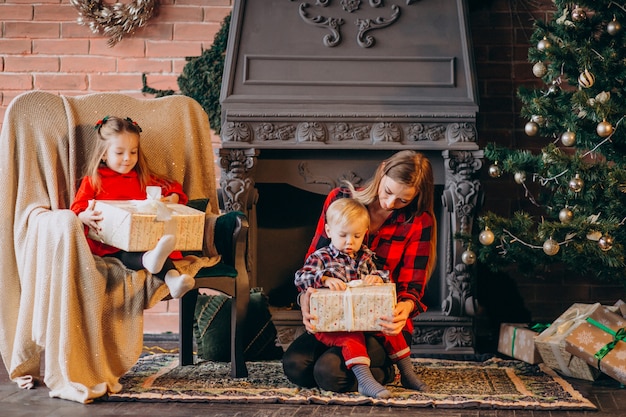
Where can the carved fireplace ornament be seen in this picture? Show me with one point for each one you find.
(389, 15)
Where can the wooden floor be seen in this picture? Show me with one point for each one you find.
(14, 402)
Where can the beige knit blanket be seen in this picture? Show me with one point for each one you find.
(83, 313)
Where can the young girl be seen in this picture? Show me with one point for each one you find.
(118, 170)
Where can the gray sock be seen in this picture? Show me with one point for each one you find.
(367, 384)
(408, 377)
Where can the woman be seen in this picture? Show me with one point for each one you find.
(400, 201)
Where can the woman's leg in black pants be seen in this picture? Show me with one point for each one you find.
(309, 363)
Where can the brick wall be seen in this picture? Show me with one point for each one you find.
(43, 48)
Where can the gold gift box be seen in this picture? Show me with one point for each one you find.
(358, 308)
(127, 227)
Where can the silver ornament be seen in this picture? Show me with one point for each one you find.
(614, 27)
(568, 138)
(468, 257)
(576, 184)
(605, 243)
(566, 215)
(551, 247)
(486, 237)
(519, 177)
(539, 69)
(579, 14)
(604, 129)
(539, 119)
(544, 44)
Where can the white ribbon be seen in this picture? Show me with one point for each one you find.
(348, 307)
(153, 204)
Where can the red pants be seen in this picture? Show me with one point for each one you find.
(353, 349)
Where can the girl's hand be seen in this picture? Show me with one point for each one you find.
(334, 284)
(172, 198)
(307, 318)
(393, 325)
(372, 279)
(91, 217)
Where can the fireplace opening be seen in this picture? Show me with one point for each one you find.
(286, 219)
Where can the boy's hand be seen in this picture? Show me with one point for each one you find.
(372, 279)
(334, 284)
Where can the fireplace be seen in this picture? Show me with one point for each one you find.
(321, 92)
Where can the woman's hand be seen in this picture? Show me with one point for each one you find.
(307, 318)
(393, 325)
(91, 217)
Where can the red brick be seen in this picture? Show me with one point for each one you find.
(159, 31)
(10, 81)
(55, 13)
(56, 82)
(144, 65)
(216, 14)
(15, 46)
(31, 63)
(195, 31)
(34, 30)
(61, 47)
(74, 30)
(128, 47)
(179, 64)
(88, 64)
(173, 49)
(205, 2)
(163, 82)
(113, 82)
(180, 14)
(10, 12)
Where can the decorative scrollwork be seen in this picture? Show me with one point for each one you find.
(386, 132)
(461, 132)
(311, 132)
(114, 21)
(333, 24)
(365, 25)
(269, 131)
(236, 132)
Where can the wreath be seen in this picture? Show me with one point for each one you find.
(116, 20)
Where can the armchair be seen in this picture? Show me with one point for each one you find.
(85, 313)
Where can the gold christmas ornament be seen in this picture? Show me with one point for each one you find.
(531, 128)
(576, 184)
(604, 129)
(586, 79)
(579, 14)
(468, 257)
(568, 138)
(114, 20)
(539, 69)
(614, 27)
(605, 242)
(495, 171)
(566, 215)
(544, 44)
(551, 247)
(519, 177)
(486, 237)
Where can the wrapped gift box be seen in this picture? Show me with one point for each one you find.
(518, 341)
(601, 342)
(358, 308)
(551, 343)
(127, 225)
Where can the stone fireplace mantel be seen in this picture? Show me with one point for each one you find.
(321, 92)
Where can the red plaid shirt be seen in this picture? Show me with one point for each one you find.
(401, 245)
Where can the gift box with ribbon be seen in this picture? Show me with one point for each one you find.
(551, 343)
(136, 226)
(517, 340)
(358, 308)
(601, 342)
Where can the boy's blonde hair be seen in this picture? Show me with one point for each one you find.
(346, 211)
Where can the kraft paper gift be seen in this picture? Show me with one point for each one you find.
(551, 343)
(517, 340)
(358, 308)
(136, 226)
(601, 342)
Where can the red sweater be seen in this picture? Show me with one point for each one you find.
(116, 186)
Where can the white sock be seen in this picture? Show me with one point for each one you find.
(178, 284)
(154, 259)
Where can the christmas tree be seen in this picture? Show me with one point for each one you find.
(576, 184)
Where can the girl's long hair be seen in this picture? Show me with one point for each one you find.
(109, 127)
(412, 169)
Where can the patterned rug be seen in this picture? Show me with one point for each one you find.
(495, 383)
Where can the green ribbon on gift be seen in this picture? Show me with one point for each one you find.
(618, 336)
(537, 328)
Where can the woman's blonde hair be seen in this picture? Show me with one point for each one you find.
(346, 211)
(107, 128)
(412, 169)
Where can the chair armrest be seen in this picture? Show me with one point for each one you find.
(231, 238)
